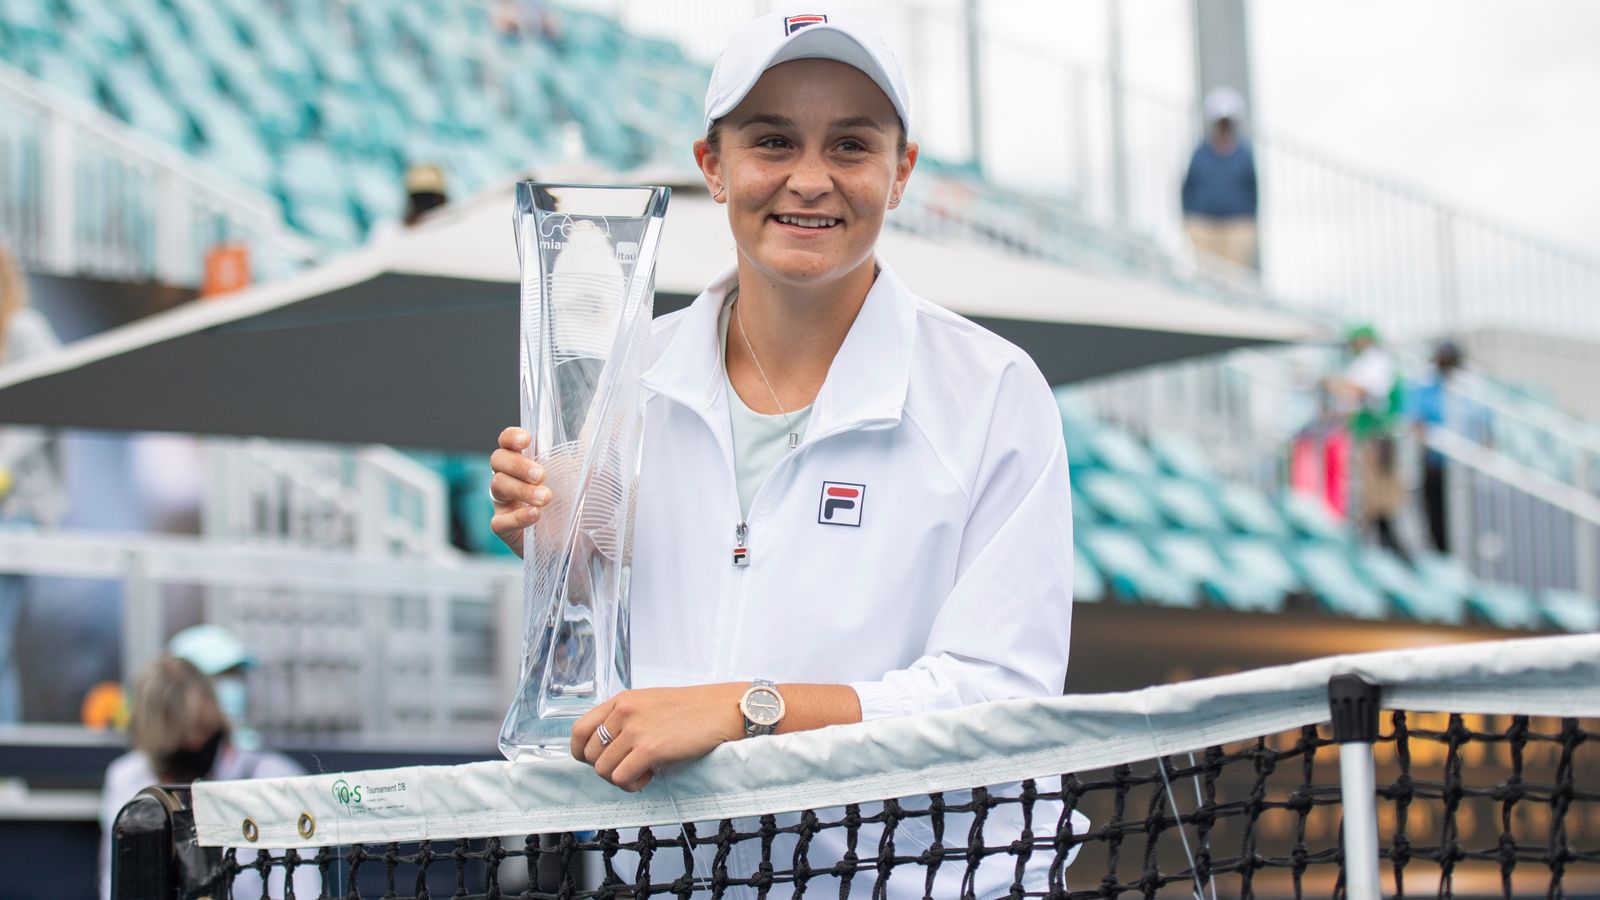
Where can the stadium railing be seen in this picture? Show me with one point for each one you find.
(84, 194)
(1480, 781)
(350, 647)
(1524, 476)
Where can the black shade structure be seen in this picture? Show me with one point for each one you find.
(412, 340)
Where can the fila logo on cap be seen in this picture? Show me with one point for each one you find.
(842, 503)
(791, 24)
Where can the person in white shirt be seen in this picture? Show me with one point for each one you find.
(852, 503)
(179, 734)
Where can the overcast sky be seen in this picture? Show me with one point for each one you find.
(1493, 105)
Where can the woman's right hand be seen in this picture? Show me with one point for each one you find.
(517, 488)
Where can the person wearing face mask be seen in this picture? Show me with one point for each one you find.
(179, 734)
(222, 657)
(852, 503)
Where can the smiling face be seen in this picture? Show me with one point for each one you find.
(810, 160)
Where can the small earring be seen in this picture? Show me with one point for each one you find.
(721, 189)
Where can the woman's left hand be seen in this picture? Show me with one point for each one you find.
(653, 727)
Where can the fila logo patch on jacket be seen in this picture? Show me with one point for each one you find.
(842, 503)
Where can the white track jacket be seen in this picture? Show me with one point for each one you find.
(917, 545)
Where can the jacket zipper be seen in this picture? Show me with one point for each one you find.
(741, 529)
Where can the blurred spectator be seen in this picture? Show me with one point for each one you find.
(179, 734)
(1219, 190)
(425, 190)
(1426, 403)
(31, 491)
(223, 658)
(1369, 393)
(516, 19)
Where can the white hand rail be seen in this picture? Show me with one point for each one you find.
(159, 186)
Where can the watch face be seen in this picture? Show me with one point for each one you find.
(763, 707)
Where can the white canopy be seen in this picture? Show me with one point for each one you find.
(412, 340)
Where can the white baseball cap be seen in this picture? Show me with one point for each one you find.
(762, 43)
(1224, 103)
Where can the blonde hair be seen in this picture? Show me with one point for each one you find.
(13, 294)
(171, 699)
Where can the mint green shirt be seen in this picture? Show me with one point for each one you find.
(759, 441)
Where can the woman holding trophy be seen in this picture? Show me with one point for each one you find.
(852, 503)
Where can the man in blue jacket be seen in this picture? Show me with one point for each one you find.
(1219, 190)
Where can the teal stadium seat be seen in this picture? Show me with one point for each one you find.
(310, 176)
(1335, 582)
(1072, 408)
(211, 26)
(1088, 585)
(1571, 610)
(1446, 572)
(104, 34)
(29, 23)
(1263, 560)
(174, 59)
(1312, 518)
(408, 87)
(1079, 438)
(333, 227)
(280, 119)
(1117, 449)
(1119, 499)
(357, 126)
(70, 77)
(378, 189)
(338, 64)
(145, 106)
(1133, 574)
(1083, 512)
(1422, 600)
(1183, 456)
(1505, 606)
(1192, 557)
(518, 154)
(1248, 510)
(1500, 605)
(1187, 504)
(230, 140)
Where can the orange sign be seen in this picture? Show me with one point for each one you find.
(227, 269)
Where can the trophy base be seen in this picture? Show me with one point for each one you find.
(535, 738)
(538, 753)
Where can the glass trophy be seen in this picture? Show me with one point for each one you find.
(588, 255)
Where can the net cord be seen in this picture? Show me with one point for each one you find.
(1199, 801)
(1177, 814)
(986, 744)
(702, 878)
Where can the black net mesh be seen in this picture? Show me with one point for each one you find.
(1467, 806)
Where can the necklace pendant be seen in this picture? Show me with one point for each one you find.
(794, 440)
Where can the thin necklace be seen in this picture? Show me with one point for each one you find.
(794, 437)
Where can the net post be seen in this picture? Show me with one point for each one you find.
(155, 851)
(1353, 703)
(142, 862)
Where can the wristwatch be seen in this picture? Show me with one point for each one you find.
(762, 708)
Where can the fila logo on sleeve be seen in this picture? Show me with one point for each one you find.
(842, 503)
(795, 23)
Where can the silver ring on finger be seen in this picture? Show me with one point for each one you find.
(604, 734)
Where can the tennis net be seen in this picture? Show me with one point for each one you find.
(1485, 762)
